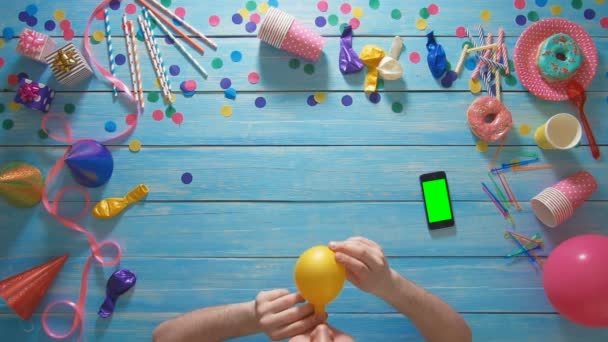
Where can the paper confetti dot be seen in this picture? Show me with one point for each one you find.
(1, 62)
(14, 106)
(396, 14)
(520, 4)
(320, 97)
(158, 115)
(357, 12)
(541, 3)
(65, 24)
(461, 32)
(98, 35)
(153, 96)
(533, 16)
(433, 9)
(186, 178)
(260, 102)
(354, 22)
(166, 3)
(322, 6)
(470, 63)
(309, 69)
(225, 83)
(481, 146)
(169, 111)
(217, 63)
(110, 126)
(263, 7)
(8, 33)
(347, 100)
(320, 21)
(345, 8)
(520, 20)
(589, 14)
(475, 86)
(273, 3)
(332, 20)
(12, 79)
(510, 80)
(244, 13)
(397, 107)
(180, 12)
(42, 134)
(214, 20)
(311, 101)
(226, 111)
(115, 4)
(131, 119)
(174, 70)
(524, 129)
(421, 24)
(251, 5)
(294, 63)
(120, 59)
(230, 93)
(415, 57)
(485, 15)
(59, 15)
(68, 34)
(556, 10)
(1, 107)
(130, 9)
(374, 4)
(375, 97)
(237, 19)
(250, 27)
(135, 146)
(253, 77)
(7, 124)
(177, 118)
(577, 4)
(236, 56)
(604, 22)
(69, 108)
(49, 25)
(190, 85)
(424, 13)
(255, 18)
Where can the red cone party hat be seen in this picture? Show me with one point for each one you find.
(24, 291)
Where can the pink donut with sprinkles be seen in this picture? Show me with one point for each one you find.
(489, 118)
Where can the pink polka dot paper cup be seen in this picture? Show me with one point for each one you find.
(285, 32)
(556, 204)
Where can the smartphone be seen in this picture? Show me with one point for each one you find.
(437, 202)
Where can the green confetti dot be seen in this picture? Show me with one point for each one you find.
(332, 20)
(294, 63)
(69, 108)
(342, 27)
(42, 134)
(511, 80)
(7, 124)
(166, 3)
(448, 66)
(217, 63)
(152, 24)
(1, 107)
(397, 107)
(424, 13)
(468, 44)
(533, 16)
(153, 96)
(396, 14)
(170, 111)
(380, 84)
(511, 65)
(374, 4)
(577, 4)
(251, 5)
(309, 69)
(93, 41)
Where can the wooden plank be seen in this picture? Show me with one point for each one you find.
(284, 229)
(273, 68)
(287, 119)
(356, 173)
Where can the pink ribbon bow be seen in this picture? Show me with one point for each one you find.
(28, 92)
(31, 41)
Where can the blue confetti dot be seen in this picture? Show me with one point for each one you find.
(521, 20)
(273, 3)
(23, 16)
(541, 3)
(174, 70)
(110, 126)
(260, 102)
(31, 9)
(236, 56)
(375, 97)
(8, 33)
(169, 41)
(470, 63)
(347, 100)
(250, 27)
(120, 59)
(589, 14)
(186, 178)
(311, 101)
(230, 93)
(237, 19)
(446, 82)
(176, 23)
(451, 75)
(31, 21)
(49, 25)
(225, 83)
(320, 21)
(115, 4)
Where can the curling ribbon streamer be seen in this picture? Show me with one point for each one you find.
(28, 92)
(350, 62)
(371, 56)
(53, 207)
(436, 56)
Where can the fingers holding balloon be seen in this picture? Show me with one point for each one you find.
(285, 302)
(293, 314)
(266, 296)
(353, 265)
(298, 327)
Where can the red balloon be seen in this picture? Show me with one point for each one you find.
(575, 278)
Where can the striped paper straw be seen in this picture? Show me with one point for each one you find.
(125, 28)
(110, 48)
(158, 53)
(140, 86)
(161, 73)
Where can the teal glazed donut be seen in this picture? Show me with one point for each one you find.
(559, 57)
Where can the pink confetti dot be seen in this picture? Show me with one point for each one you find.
(68, 34)
(214, 20)
(461, 32)
(345, 8)
(433, 9)
(180, 12)
(253, 77)
(190, 85)
(414, 57)
(604, 22)
(520, 4)
(1, 62)
(130, 9)
(322, 6)
(255, 18)
(177, 118)
(355, 23)
(158, 115)
(99, 15)
(66, 24)
(131, 119)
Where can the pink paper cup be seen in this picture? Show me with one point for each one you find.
(577, 188)
(551, 207)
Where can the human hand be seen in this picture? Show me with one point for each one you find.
(280, 317)
(365, 263)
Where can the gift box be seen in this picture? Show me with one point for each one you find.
(35, 45)
(68, 65)
(34, 95)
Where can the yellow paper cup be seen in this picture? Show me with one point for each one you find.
(561, 132)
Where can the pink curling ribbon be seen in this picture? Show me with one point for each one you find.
(70, 223)
(28, 92)
(31, 42)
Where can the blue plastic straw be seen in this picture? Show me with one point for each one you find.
(504, 210)
(522, 247)
(521, 163)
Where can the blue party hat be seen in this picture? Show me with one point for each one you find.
(90, 162)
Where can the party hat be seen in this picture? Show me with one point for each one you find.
(24, 291)
(90, 162)
(21, 184)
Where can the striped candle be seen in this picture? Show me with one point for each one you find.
(110, 48)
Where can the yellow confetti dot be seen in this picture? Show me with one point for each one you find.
(135, 146)
(600, 1)
(1, 43)
(244, 13)
(421, 24)
(157, 82)
(524, 129)
(226, 111)
(556, 10)
(263, 7)
(14, 106)
(173, 97)
(320, 97)
(482, 146)
(485, 15)
(59, 15)
(98, 35)
(357, 12)
(475, 86)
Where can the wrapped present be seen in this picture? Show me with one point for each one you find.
(34, 95)
(35, 45)
(68, 65)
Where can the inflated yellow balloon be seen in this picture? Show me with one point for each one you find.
(319, 277)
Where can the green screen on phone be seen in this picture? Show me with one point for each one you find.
(437, 200)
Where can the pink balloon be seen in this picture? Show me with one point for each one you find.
(575, 278)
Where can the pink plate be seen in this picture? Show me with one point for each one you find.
(525, 58)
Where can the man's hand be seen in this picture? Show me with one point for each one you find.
(280, 317)
(365, 263)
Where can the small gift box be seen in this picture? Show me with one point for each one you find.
(68, 65)
(35, 45)
(34, 95)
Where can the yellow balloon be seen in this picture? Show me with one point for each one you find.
(319, 277)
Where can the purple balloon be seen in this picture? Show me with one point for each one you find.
(349, 59)
(120, 282)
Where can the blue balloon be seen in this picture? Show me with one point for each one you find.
(90, 163)
(436, 59)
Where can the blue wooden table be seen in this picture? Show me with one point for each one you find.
(273, 177)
